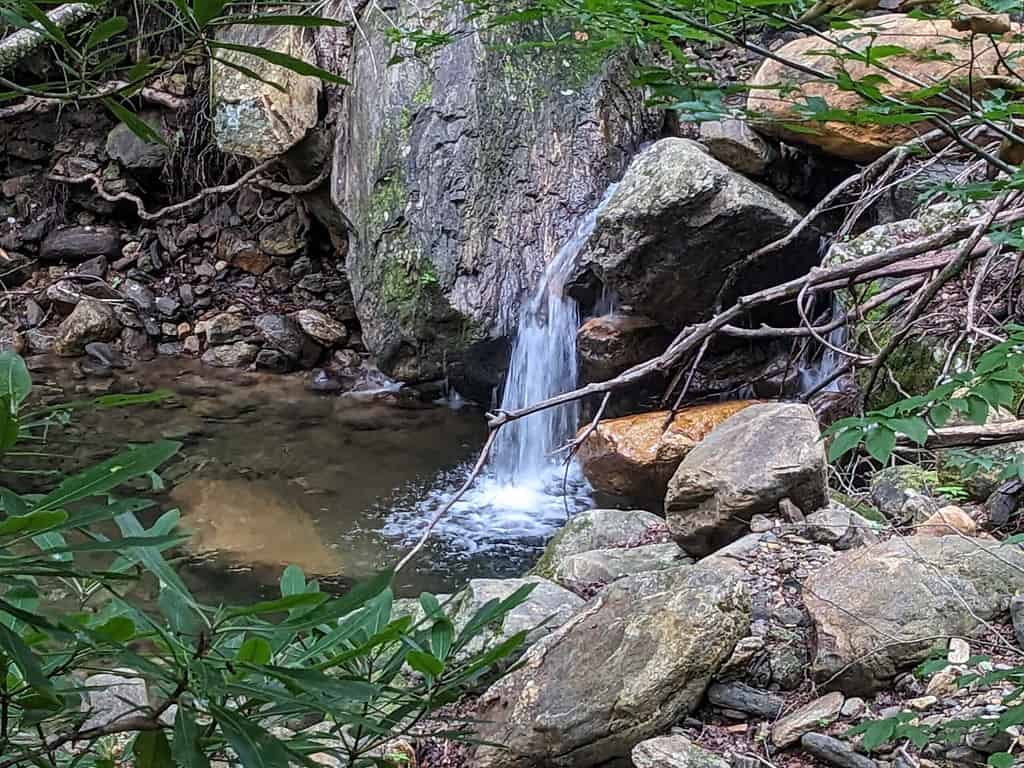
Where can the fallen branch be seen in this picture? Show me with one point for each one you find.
(973, 436)
(20, 44)
(42, 104)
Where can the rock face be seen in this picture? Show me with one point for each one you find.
(634, 660)
(674, 752)
(677, 221)
(461, 179)
(582, 572)
(90, 321)
(598, 529)
(609, 344)
(948, 59)
(252, 118)
(750, 462)
(908, 590)
(634, 456)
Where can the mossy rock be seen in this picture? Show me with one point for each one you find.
(597, 529)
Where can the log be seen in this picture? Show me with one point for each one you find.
(974, 436)
(17, 46)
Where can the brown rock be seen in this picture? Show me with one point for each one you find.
(91, 320)
(252, 261)
(635, 456)
(967, 18)
(610, 344)
(809, 717)
(951, 59)
(948, 521)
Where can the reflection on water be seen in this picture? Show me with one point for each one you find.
(270, 474)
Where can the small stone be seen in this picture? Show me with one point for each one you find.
(272, 361)
(948, 521)
(183, 330)
(168, 306)
(138, 293)
(790, 511)
(225, 328)
(674, 752)
(959, 651)
(95, 267)
(191, 345)
(11, 340)
(734, 143)
(324, 381)
(111, 696)
(241, 354)
(853, 708)
(817, 713)
(834, 752)
(221, 265)
(760, 524)
(921, 703)
(745, 699)
(943, 682)
(91, 320)
(169, 348)
(320, 327)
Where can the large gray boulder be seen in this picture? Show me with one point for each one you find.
(747, 465)
(598, 529)
(632, 662)
(461, 177)
(880, 609)
(677, 221)
(251, 117)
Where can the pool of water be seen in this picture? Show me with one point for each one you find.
(270, 474)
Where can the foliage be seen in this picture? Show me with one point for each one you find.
(245, 682)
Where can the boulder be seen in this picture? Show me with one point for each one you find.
(630, 663)
(839, 527)
(599, 529)
(321, 328)
(882, 608)
(113, 695)
(91, 320)
(285, 335)
(609, 344)
(737, 145)
(79, 243)
(584, 572)
(747, 465)
(674, 752)
(936, 52)
(547, 608)
(133, 152)
(251, 117)
(635, 456)
(463, 178)
(675, 224)
(815, 714)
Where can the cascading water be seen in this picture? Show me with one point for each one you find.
(525, 492)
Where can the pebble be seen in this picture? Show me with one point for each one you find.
(853, 707)
(959, 651)
(760, 524)
(922, 703)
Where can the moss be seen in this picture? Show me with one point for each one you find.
(862, 508)
(387, 201)
(424, 94)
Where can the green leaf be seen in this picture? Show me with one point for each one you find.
(187, 747)
(940, 414)
(293, 581)
(32, 522)
(105, 30)
(286, 20)
(15, 381)
(282, 60)
(151, 750)
(12, 503)
(977, 409)
(26, 661)
(441, 635)
(915, 428)
(844, 442)
(281, 605)
(205, 11)
(254, 746)
(311, 681)
(425, 663)
(878, 733)
(119, 629)
(1001, 760)
(879, 442)
(256, 651)
(135, 124)
(10, 426)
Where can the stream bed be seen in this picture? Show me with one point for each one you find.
(271, 474)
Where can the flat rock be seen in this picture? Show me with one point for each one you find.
(241, 354)
(633, 661)
(635, 456)
(908, 589)
(746, 466)
(834, 752)
(321, 328)
(674, 752)
(599, 529)
(815, 714)
(744, 698)
(582, 572)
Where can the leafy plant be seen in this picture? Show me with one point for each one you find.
(265, 684)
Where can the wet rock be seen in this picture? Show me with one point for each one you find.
(324, 381)
(136, 343)
(113, 695)
(589, 692)
(674, 752)
(240, 354)
(816, 714)
(582, 572)
(286, 336)
(834, 752)
(743, 698)
(168, 306)
(635, 456)
(548, 607)
(96, 267)
(273, 361)
(598, 529)
(90, 321)
(948, 521)
(224, 328)
(950, 59)
(748, 463)
(903, 493)
(675, 192)
(134, 153)
(610, 344)
(250, 117)
(107, 355)
(321, 328)
(914, 589)
(737, 145)
(839, 527)
(75, 244)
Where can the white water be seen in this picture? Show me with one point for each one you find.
(520, 495)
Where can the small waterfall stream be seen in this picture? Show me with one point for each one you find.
(524, 493)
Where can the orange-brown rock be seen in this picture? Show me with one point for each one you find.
(936, 53)
(634, 456)
(609, 344)
(948, 521)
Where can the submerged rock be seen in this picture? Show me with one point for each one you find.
(635, 456)
(628, 665)
(880, 609)
(749, 463)
(678, 219)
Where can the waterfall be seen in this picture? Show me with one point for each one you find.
(543, 364)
